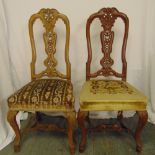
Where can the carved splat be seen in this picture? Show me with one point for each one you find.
(107, 40)
(50, 46)
(49, 18)
(107, 36)
(107, 17)
(50, 37)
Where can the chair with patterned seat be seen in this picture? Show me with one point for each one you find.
(50, 90)
(108, 94)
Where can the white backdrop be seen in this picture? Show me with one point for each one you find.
(15, 50)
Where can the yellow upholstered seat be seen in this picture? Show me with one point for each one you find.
(109, 95)
(43, 94)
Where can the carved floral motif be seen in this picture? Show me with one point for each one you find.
(50, 37)
(49, 18)
(107, 19)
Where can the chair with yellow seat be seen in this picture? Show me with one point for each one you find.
(49, 90)
(109, 95)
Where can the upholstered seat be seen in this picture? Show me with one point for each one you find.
(50, 90)
(105, 94)
(110, 95)
(43, 94)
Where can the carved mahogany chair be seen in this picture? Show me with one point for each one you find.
(49, 90)
(109, 95)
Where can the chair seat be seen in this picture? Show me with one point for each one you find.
(43, 95)
(107, 95)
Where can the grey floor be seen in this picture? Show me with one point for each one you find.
(103, 143)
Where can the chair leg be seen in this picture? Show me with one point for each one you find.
(120, 115)
(11, 117)
(38, 116)
(120, 120)
(71, 119)
(143, 116)
(82, 117)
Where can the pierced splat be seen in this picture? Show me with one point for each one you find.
(107, 36)
(107, 40)
(50, 48)
(49, 18)
(107, 17)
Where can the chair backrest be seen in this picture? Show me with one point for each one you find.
(107, 17)
(49, 18)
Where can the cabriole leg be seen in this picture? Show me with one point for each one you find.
(82, 118)
(11, 117)
(71, 119)
(143, 116)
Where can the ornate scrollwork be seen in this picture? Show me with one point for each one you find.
(49, 18)
(107, 40)
(107, 18)
(50, 48)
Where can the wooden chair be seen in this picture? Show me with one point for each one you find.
(109, 95)
(51, 94)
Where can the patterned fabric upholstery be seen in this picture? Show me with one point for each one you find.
(43, 95)
(111, 95)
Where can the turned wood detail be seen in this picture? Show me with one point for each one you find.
(49, 18)
(143, 117)
(11, 117)
(82, 119)
(71, 120)
(107, 17)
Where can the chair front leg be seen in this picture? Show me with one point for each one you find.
(11, 117)
(82, 118)
(71, 119)
(143, 116)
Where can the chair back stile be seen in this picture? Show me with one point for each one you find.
(107, 17)
(49, 18)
